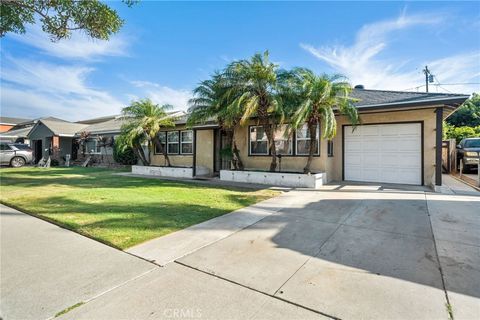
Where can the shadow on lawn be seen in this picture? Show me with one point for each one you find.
(130, 222)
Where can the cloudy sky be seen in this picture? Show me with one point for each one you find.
(166, 48)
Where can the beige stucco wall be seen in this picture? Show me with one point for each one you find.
(204, 152)
(425, 115)
(289, 163)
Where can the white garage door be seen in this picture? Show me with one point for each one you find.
(384, 153)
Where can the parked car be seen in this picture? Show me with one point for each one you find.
(15, 154)
(467, 153)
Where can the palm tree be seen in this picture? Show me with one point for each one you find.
(317, 97)
(144, 120)
(253, 84)
(211, 101)
(132, 136)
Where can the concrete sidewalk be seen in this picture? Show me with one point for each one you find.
(45, 269)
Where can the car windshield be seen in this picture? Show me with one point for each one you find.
(472, 143)
(22, 146)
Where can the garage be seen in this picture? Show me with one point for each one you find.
(389, 153)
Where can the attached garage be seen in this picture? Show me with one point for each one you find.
(389, 153)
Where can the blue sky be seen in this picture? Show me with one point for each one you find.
(166, 48)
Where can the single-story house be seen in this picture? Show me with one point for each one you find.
(7, 123)
(399, 141)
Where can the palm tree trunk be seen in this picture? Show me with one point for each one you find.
(163, 150)
(312, 128)
(141, 154)
(273, 150)
(236, 153)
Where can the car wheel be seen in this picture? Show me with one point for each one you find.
(17, 162)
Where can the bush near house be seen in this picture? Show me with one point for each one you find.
(125, 156)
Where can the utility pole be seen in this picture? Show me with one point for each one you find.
(428, 77)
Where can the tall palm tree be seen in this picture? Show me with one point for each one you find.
(212, 101)
(253, 84)
(132, 136)
(146, 118)
(317, 98)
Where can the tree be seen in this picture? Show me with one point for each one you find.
(253, 84)
(82, 140)
(123, 154)
(314, 98)
(212, 101)
(468, 114)
(60, 17)
(144, 120)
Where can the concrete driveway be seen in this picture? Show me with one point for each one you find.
(348, 252)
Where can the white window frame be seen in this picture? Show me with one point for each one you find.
(307, 139)
(185, 142)
(175, 142)
(96, 146)
(250, 142)
(161, 133)
(289, 139)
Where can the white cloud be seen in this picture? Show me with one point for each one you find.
(79, 46)
(160, 94)
(37, 89)
(363, 63)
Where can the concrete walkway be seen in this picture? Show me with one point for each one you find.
(452, 185)
(45, 269)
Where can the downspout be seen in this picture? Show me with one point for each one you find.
(194, 161)
(438, 146)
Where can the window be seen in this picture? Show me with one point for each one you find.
(5, 147)
(172, 142)
(330, 148)
(258, 141)
(283, 143)
(303, 141)
(162, 136)
(92, 146)
(186, 142)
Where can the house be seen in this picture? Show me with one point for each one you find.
(58, 138)
(399, 141)
(7, 123)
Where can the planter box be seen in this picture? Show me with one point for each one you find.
(296, 180)
(173, 172)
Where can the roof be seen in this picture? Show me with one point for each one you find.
(60, 127)
(18, 133)
(111, 126)
(99, 119)
(11, 120)
(384, 98)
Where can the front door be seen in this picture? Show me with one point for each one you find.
(222, 153)
(38, 151)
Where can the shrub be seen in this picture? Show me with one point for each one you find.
(124, 155)
(54, 163)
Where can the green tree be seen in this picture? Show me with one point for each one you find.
(212, 101)
(123, 154)
(253, 84)
(314, 99)
(144, 120)
(60, 17)
(468, 114)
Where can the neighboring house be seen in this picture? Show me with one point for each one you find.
(398, 141)
(53, 137)
(7, 123)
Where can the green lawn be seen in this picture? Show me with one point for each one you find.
(118, 210)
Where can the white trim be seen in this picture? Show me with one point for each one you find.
(187, 142)
(250, 143)
(307, 139)
(412, 102)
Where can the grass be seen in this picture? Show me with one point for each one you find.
(69, 309)
(117, 210)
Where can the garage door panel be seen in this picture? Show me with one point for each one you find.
(384, 153)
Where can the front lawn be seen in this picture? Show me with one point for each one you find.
(118, 210)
